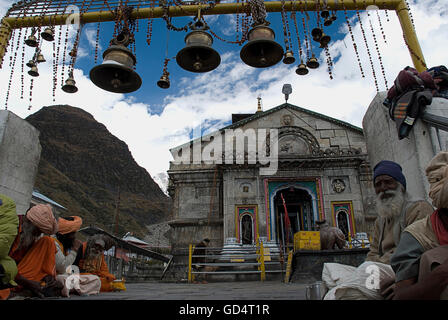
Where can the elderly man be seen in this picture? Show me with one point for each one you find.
(420, 261)
(35, 254)
(91, 260)
(9, 224)
(396, 210)
(67, 247)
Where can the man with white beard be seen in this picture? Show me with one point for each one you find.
(396, 210)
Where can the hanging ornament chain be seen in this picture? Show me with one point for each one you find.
(367, 48)
(386, 12)
(355, 46)
(381, 26)
(378, 51)
(294, 19)
(285, 34)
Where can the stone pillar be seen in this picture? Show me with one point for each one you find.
(19, 158)
(412, 153)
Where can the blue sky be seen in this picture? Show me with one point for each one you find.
(153, 120)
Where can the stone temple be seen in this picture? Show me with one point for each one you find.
(229, 187)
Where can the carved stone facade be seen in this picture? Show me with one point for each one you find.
(322, 173)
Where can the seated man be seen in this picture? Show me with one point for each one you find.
(90, 260)
(35, 255)
(9, 224)
(421, 259)
(396, 211)
(67, 247)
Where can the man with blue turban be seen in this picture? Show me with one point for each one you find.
(396, 210)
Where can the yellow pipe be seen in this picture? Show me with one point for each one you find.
(399, 6)
(410, 37)
(5, 35)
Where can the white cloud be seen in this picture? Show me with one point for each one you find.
(233, 87)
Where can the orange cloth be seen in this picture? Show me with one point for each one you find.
(38, 262)
(99, 268)
(67, 226)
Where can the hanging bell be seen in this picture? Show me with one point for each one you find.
(116, 73)
(302, 69)
(325, 40)
(316, 33)
(325, 13)
(198, 54)
(31, 64)
(70, 85)
(31, 41)
(47, 34)
(40, 58)
(328, 21)
(164, 81)
(312, 63)
(289, 57)
(33, 72)
(261, 51)
(334, 17)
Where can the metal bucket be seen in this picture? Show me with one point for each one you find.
(316, 291)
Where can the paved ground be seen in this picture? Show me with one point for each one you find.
(252, 290)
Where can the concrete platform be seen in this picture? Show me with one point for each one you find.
(250, 290)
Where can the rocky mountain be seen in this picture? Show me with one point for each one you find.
(89, 171)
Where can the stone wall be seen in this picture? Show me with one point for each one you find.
(412, 153)
(19, 159)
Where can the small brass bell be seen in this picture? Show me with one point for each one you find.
(47, 34)
(261, 51)
(40, 58)
(198, 54)
(33, 72)
(312, 63)
(328, 21)
(31, 64)
(116, 73)
(70, 84)
(302, 69)
(325, 13)
(31, 41)
(316, 33)
(289, 57)
(325, 40)
(164, 81)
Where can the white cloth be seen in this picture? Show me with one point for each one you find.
(350, 283)
(63, 261)
(83, 284)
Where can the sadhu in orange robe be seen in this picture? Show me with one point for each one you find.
(98, 267)
(35, 264)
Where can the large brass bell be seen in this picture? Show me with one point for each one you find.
(289, 57)
(47, 34)
(302, 69)
(116, 73)
(70, 84)
(261, 51)
(198, 54)
(324, 40)
(31, 41)
(33, 72)
(164, 81)
(317, 33)
(312, 63)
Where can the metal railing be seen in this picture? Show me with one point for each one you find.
(231, 261)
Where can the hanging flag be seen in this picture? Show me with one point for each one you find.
(287, 222)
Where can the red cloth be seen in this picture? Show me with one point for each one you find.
(287, 222)
(439, 228)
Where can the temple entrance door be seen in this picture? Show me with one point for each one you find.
(246, 229)
(300, 214)
(342, 221)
